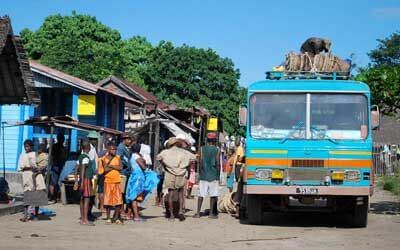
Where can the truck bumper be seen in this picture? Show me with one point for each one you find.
(302, 190)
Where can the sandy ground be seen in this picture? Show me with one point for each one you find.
(281, 231)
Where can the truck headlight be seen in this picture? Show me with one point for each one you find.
(277, 174)
(337, 176)
(263, 174)
(352, 175)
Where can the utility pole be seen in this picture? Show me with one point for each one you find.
(156, 138)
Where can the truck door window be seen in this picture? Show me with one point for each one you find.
(277, 115)
(339, 116)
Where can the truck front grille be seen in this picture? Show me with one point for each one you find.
(308, 163)
(304, 174)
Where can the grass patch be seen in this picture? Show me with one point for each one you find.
(391, 183)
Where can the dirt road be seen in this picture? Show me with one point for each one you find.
(293, 231)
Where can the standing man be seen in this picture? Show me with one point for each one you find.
(110, 165)
(176, 161)
(124, 152)
(209, 175)
(86, 168)
(237, 161)
(58, 158)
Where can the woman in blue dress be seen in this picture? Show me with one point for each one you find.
(141, 181)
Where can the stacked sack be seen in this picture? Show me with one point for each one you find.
(322, 62)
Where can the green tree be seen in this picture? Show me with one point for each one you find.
(188, 76)
(82, 46)
(185, 76)
(383, 74)
(135, 52)
(387, 52)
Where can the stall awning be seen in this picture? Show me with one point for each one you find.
(175, 130)
(67, 122)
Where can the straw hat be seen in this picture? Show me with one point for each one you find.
(172, 141)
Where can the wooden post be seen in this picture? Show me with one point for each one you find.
(50, 162)
(156, 138)
(99, 142)
(200, 133)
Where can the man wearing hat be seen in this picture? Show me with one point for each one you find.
(176, 161)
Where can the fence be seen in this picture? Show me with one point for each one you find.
(386, 162)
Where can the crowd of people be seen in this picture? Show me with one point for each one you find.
(123, 175)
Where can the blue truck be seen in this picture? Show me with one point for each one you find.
(308, 146)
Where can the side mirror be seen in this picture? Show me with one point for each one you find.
(375, 117)
(242, 116)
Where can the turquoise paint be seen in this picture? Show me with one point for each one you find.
(74, 113)
(309, 85)
(308, 149)
(21, 133)
(31, 111)
(14, 135)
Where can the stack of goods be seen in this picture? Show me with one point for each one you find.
(323, 62)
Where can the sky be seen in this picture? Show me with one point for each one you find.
(255, 34)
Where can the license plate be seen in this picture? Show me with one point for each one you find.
(307, 190)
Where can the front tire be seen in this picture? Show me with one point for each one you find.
(254, 210)
(360, 212)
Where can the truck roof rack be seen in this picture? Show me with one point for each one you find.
(308, 75)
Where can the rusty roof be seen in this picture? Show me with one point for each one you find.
(75, 81)
(130, 88)
(63, 77)
(389, 131)
(16, 78)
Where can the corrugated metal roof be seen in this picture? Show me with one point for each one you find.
(389, 131)
(131, 88)
(75, 81)
(64, 77)
(16, 79)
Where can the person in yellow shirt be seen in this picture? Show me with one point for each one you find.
(110, 165)
(238, 160)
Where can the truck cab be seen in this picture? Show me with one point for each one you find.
(308, 147)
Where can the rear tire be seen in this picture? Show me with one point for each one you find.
(360, 213)
(254, 210)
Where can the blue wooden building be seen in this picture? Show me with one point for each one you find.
(61, 94)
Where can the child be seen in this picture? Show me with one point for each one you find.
(192, 176)
(86, 169)
(110, 165)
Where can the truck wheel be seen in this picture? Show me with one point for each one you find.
(254, 210)
(242, 209)
(360, 213)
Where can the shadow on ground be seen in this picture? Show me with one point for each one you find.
(307, 220)
(385, 207)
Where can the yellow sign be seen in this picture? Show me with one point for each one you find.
(87, 105)
(212, 124)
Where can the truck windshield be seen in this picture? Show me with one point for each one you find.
(278, 116)
(332, 116)
(339, 116)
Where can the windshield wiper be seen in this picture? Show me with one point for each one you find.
(313, 127)
(296, 127)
